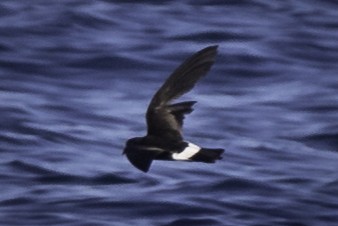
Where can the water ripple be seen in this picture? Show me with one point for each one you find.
(75, 81)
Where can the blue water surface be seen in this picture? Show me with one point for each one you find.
(75, 81)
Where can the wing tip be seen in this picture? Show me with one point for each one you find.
(212, 48)
(208, 54)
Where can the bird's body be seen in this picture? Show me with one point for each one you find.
(164, 140)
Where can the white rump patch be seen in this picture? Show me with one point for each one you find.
(187, 153)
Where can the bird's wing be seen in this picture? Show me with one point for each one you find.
(165, 120)
(142, 156)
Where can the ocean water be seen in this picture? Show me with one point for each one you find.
(75, 81)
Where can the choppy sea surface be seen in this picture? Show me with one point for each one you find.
(75, 81)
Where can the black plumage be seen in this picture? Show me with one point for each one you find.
(164, 139)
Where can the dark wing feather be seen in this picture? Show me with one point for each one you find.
(166, 120)
(142, 156)
(181, 109)
(141, 160)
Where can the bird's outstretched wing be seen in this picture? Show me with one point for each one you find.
(142, 156)
(164, 119)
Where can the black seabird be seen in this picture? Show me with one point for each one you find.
(164, 139)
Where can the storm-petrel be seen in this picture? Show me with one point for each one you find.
(164, 140)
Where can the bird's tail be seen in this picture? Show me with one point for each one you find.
(208, 155)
